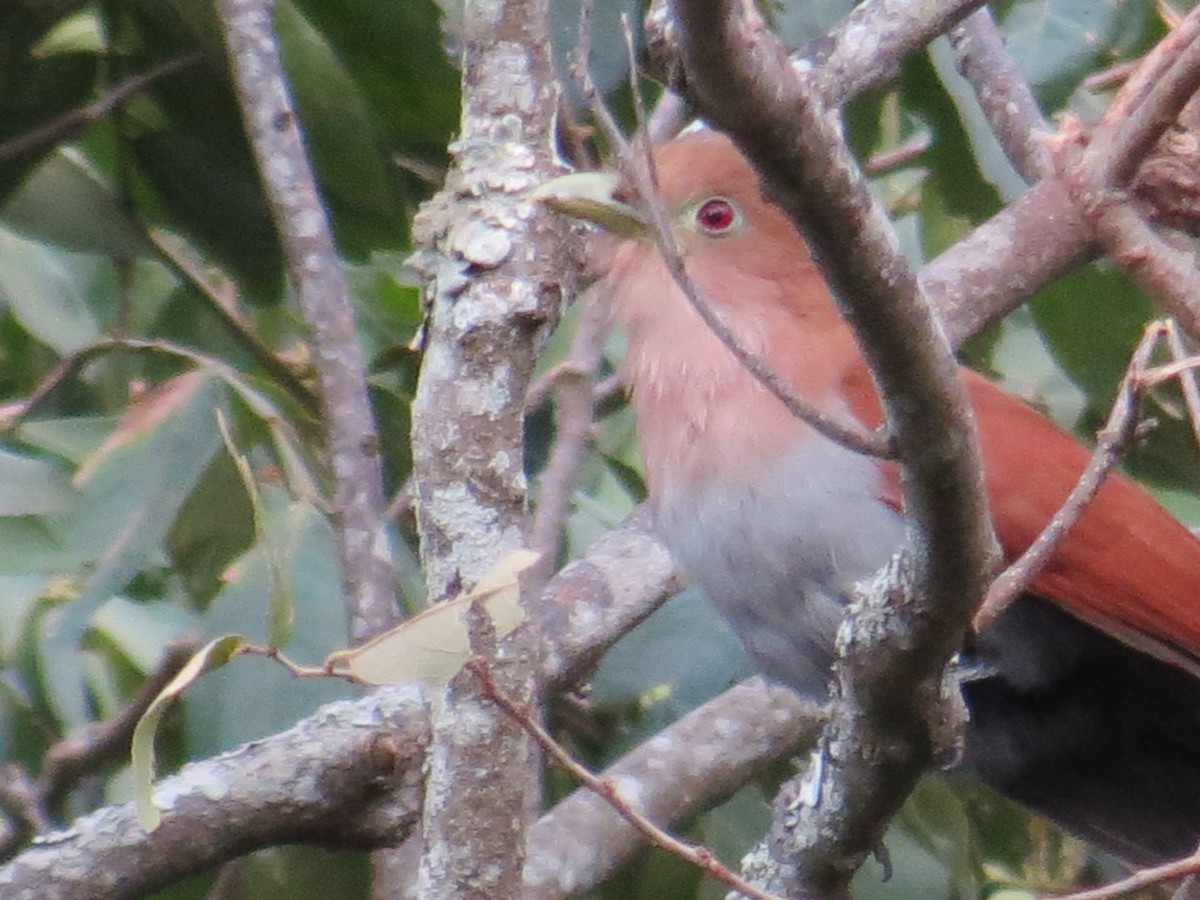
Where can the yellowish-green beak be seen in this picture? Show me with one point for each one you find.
(593, 197)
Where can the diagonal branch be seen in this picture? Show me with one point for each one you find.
(74, 123)
(1111, 445)
(707, 756)
(316, 272)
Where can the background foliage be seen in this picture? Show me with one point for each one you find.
(139, 269)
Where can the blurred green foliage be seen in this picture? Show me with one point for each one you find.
(123, 522)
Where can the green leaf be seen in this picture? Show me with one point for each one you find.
(65, 201)
(141, 630)
(45, 293)
(19, 594)
(951, 163)
(281, 611)
(36, 91)
(129, 492)
(31, 487)
(217, 709)
(212, 656)
(1056, 43)
(71, 438)
(79, 32)
(414, 93)
(358, 181)
(1094, 357)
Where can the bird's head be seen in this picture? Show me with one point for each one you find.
(708, 190)
(740, 249)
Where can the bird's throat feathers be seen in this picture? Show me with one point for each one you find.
(701, 414)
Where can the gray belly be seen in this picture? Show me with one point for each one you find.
(778, 553)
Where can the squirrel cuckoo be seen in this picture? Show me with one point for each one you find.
(1084, 694)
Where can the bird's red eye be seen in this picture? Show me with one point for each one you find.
(716, 216)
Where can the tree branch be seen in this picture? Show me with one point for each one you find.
(573, 425)
(740, 80)
(1110, 447)
(316, 272)
(1004, 95)
(706, 757)
(493, 265)
(74, 123)
(866, 49)
(349, 776)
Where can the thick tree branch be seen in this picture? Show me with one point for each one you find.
(350, 776)
(707, 756)
(1041, 236)
(316, 272)
(899, 640)
(866, 49)
(493, 264)
(224, 807)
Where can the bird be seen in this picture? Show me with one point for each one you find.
(1083, 694)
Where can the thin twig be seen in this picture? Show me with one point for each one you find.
(573, 424)
(1187, 377)
(897, 157)
(1139, 880)
(700, 857)
(192, 271)
(1146, 105)
(1110, 446)
(1149, 101)
(299, 670)
(74, 123)
(668, 117)
(14, 414)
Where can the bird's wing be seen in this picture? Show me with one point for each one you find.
(1127, 567)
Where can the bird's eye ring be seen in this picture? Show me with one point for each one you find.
(716, 216)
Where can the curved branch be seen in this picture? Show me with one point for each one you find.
(741, 80)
